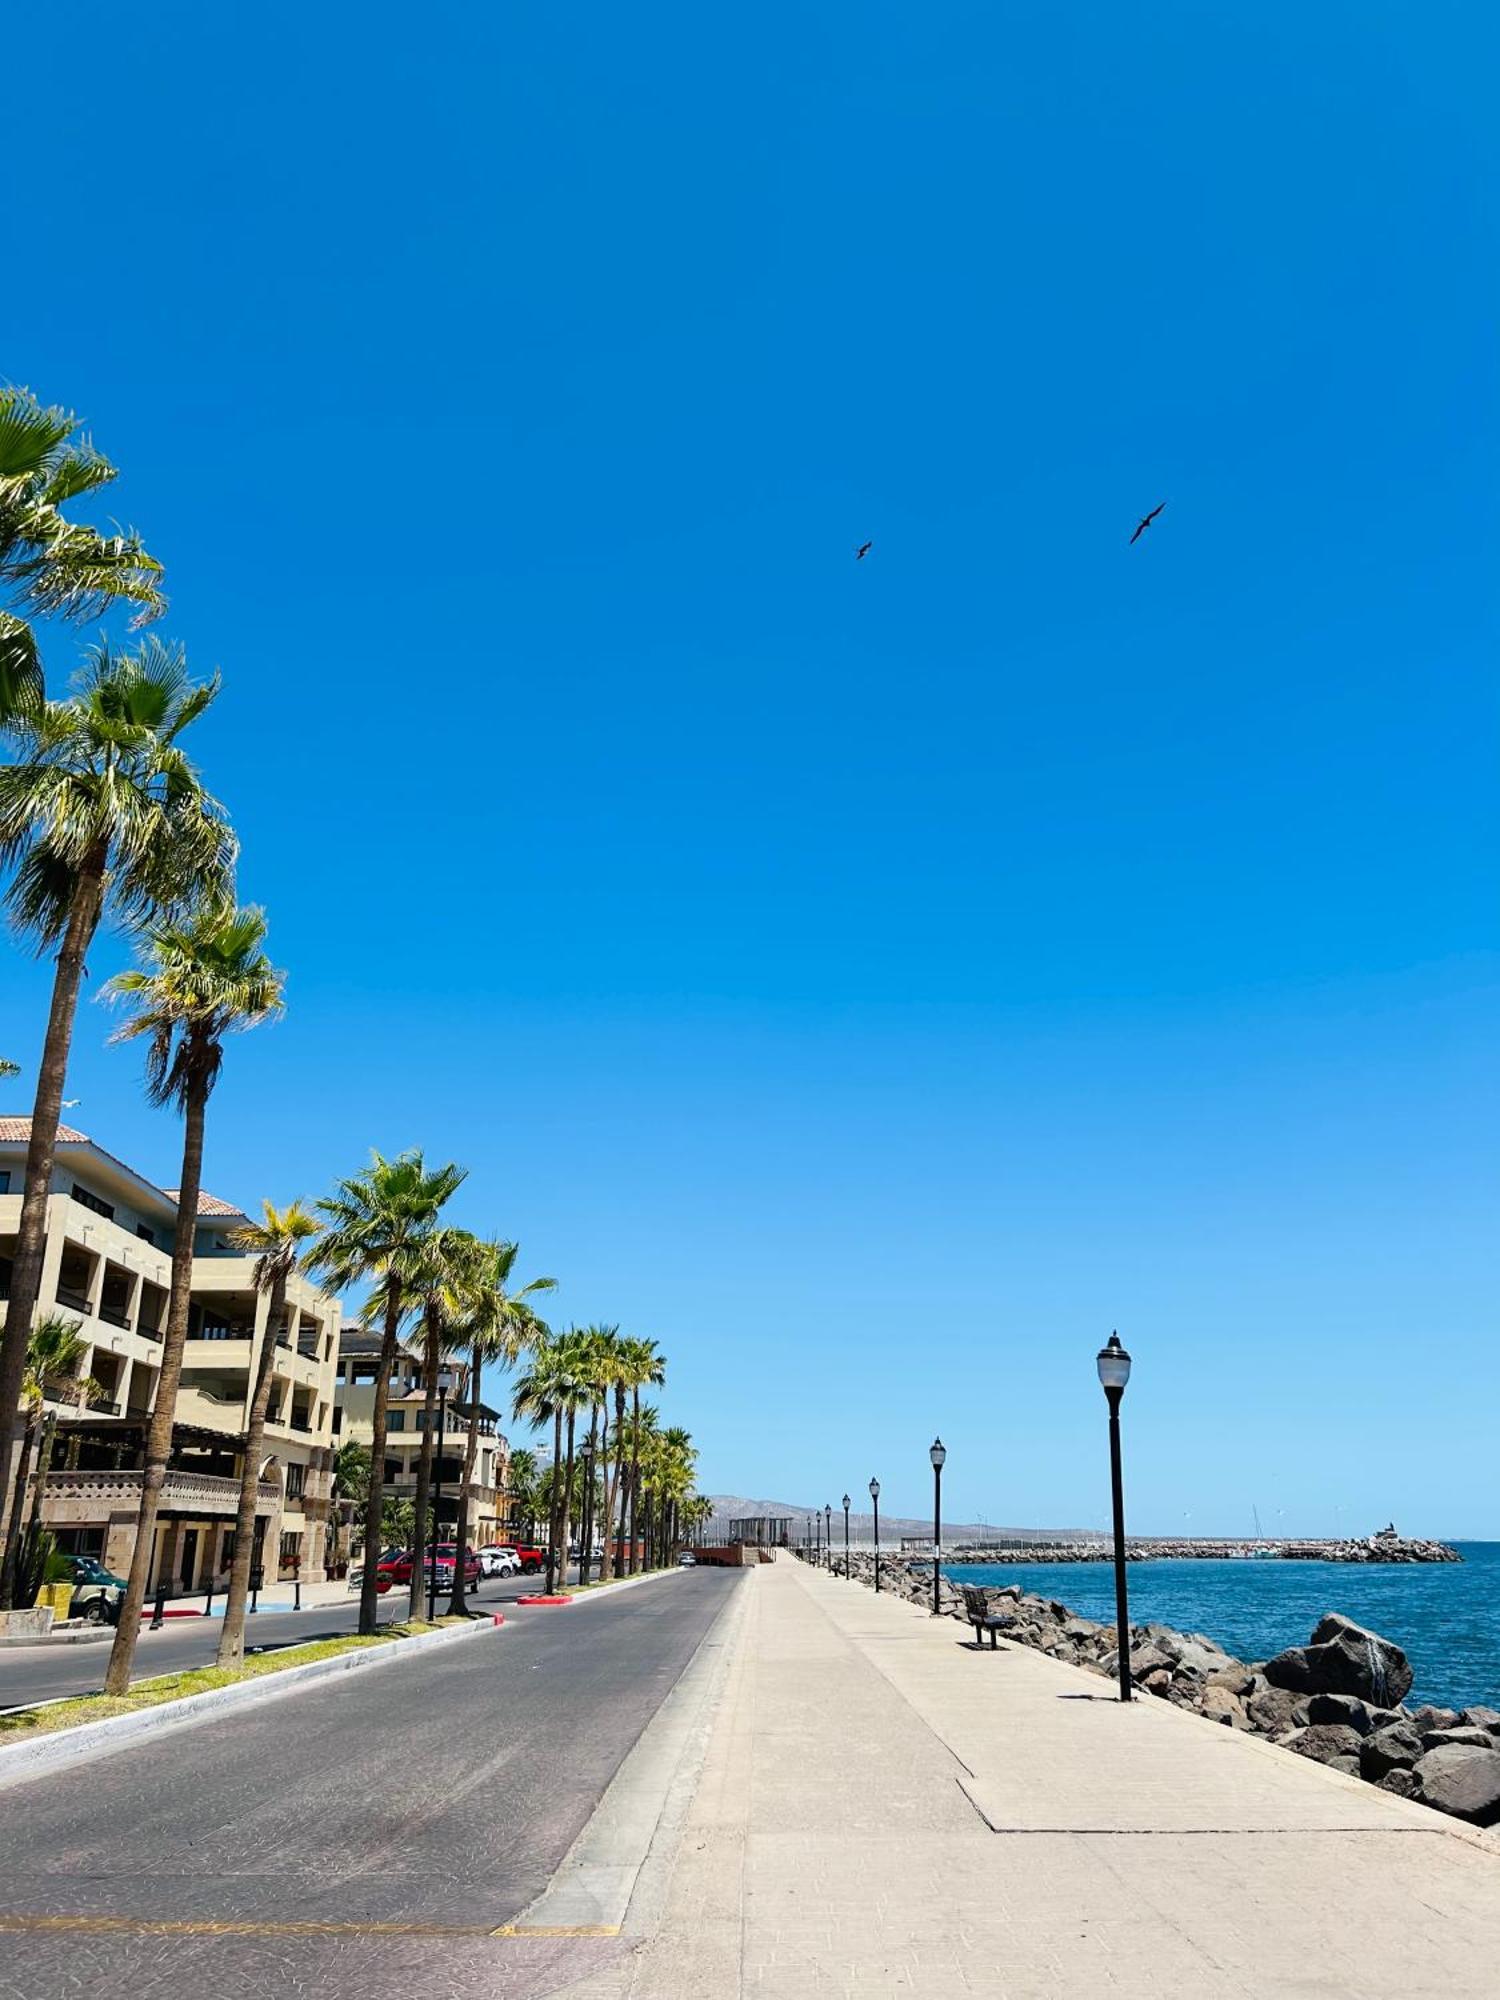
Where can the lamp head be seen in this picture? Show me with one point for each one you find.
(874, 1489)
(1114, 1365)
(846, 1503)
(937, 1452)
(444, 1380)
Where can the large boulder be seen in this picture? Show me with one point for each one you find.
(1345, 1708)
(1331, 1743)
(1343, 1658)
(1475, 1739)
(1427, 1717)
(1400, 1781)
(1392, 1749)
(1463, 1781)
(1222, 1704)
(1483, 1718)
(1273, 1711)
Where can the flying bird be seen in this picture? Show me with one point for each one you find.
(1145, 522)
(862, 551)
(71, 1103)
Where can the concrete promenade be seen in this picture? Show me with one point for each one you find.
(884, 1810)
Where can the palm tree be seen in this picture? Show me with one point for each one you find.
(599, 1345)
(496, 1323)
(276, 1241)
(642, 1366)
(615, 1378)
(8, 1069)
(675, 1482)
(376, 1226)
(53, 1356)
(206, 977)
(549, 1391)
(101, 815)
(51, 567)
(522, 1485)
(450, 1259)
(349, 1477)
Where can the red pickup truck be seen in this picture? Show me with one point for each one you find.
(398, 1569)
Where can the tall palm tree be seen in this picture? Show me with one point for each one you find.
(523, 1482)
(548, 1392)
(376, 1226)
(276, 1241)
(495, 1324)
(101, 814)
(614, 1375)
(51, 567)
(53, 1355)
(598, 1346)
(676, 1482)
(450, 1260)
(642, 1365)
(206, 977)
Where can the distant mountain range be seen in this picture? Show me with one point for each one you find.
(893, 1527)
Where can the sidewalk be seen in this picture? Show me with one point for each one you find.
(884, 1810)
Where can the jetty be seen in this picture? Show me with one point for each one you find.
(886, 1810)
(1386, 1547)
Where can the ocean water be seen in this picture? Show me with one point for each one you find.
(1444, 1616)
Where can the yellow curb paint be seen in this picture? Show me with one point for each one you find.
(250, 1927)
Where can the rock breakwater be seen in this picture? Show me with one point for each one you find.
(1382, 1548)
(1339, 1699)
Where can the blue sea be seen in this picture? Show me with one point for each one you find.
(1444, 1616)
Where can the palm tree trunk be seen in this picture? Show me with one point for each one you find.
(232, 1638)
(420, 1538)
(456, 1606)
(41, 1153)
(586, 1505)
(375, 1492)
(18, 1507)
(635, 1474)
(556, 1506)
(43, 1466)
(163, 1409)
(615, 1559)
(568, 1521)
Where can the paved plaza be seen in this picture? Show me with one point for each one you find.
(885, 1810)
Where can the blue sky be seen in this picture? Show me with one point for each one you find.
(874, 981)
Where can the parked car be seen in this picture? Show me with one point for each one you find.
(530, 1557)
(97, 1595)
(687, 1560)
(499, 1559)
(398, 1569)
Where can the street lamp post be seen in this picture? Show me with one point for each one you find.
(1114, 1373)
(937, 1452)
(817, 1541)
(846, 1535)
(586, 1510)
(828, 1536)
(875, 1502)
(445, 1383)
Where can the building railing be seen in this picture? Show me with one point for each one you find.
(104, 1406)
(200, 1492)
(76, 1301)
(116, 1315)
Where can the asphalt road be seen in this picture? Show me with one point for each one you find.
(47, 1672)
(410, 1810)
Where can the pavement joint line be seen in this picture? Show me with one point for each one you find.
(35, 1922)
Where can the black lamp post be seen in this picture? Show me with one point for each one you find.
(846, 1535)
(937, 1452)
(817, 1540)
(875, 1502)
(1114, 1373)
(828, 1536)
(586, 1510)
(445, 1383)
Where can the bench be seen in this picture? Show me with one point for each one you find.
(981, 1616)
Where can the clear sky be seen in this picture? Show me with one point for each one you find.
(878, 980)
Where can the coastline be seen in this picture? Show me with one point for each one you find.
(1369, 1549)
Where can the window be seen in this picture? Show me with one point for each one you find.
(395, 1420)
(296, 1479)
(291, 1550)
(87, 1200)
(146, 1235)
(4, 1180)
(338, 1418)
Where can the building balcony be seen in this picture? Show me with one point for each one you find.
(74, 1301)
(82, 1496)
(115, 1316)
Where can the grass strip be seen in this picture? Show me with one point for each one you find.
(71, 1714)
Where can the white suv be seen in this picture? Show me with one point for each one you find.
(497, 1560)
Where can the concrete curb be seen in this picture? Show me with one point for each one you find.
(20, 1762)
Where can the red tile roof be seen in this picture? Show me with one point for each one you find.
(210, 1204)
(18, 1131)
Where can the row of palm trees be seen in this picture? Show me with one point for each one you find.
(104, 819)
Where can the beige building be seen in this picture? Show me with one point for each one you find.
(406, 1416)
(108, 1266)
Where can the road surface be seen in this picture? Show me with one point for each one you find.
(360, 1837)
(48, 1672)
